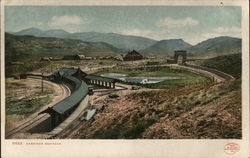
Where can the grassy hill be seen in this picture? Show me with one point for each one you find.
(230, 64)
(124, 42)
(211, 111)
(19, 48)
(29, 50)
(218, 46)
(166, 47)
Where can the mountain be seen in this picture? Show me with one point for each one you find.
(124, 42)
(59, 33)
(209, 48)
(166, 47)
(56, 33)
(120, 41)
(31, 31)
(18, 48)
(218, 46)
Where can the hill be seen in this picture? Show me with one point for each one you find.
(230, 64)
(166, 47)
(218, 46)
(223, 45)
(18, 48)
(120, 41)
(191, 112)
(124, 42)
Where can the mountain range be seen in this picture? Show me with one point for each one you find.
(122, 43)
(31, 47)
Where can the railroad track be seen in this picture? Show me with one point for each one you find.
(72, 129)
(24, 127)
(217, 75)
(76, 124)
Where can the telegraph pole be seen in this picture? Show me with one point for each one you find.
(51, 66)
(42, 82)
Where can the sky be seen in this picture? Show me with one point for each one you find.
(190, 23)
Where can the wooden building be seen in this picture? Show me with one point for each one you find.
(100, 81)
(74, 57)
(133, 55)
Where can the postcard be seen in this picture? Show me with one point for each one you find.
(125, 79)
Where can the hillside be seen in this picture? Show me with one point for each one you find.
(124, 42)
(18, 48)
(216, 46)
(120, 41)
(166, 47)
(230, 64)
(211, 111)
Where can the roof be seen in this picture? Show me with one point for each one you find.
(74, 99)
(134, 52)
(67, 72)
(105, 79)
(180, 51)
(80, 91)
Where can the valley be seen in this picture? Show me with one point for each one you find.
(183, 104)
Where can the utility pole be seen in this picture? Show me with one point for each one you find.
(42, 82)
(51, 66)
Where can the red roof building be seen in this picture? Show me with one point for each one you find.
(133, 55)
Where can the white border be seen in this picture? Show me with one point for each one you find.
(135, 148)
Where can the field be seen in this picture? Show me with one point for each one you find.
(23, 98)
(189, 77)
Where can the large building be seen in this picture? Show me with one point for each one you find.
(133, 55)
(74, 57)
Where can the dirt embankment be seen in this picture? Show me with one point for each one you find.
(199, 111)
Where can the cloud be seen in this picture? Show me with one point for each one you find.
(228, 30)
(217, 32)
(68, 20)
(161, 34)
(224, 31)
(136, 32)
(177, 23)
